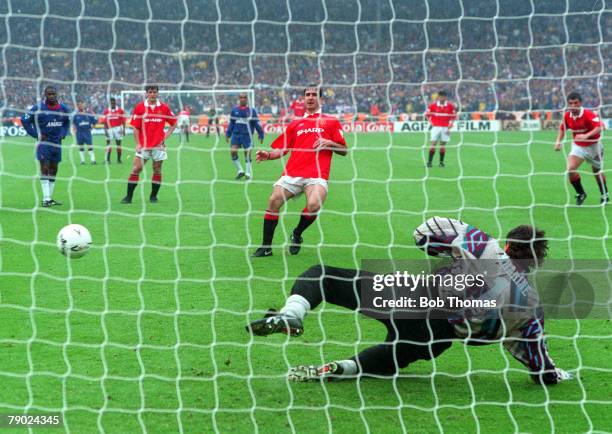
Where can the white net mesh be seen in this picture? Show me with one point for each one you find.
(146, 333)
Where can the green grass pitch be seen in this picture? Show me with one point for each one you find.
(147, 331)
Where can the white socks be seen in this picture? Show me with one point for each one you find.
(296, 306)
(44, 183)
(51, 187)
(349, 367)
(92, 156)
(238, 165)
(82, 154)
(248, 167)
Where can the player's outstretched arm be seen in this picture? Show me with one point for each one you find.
(531, 351)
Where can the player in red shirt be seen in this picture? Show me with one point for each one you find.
(311, 141)
(148, 121)
(441, 115)
(586, 127)
(298, 107)
(114, 128)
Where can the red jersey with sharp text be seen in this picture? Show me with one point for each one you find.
(441, 115)
(586, 121)
(299, 138)
(114, 117)
(151, 120)
(298, 107)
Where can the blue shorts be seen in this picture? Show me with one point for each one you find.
(84, 139)
(241, 140)
(49, 152)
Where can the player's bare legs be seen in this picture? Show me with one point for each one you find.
(432, 152)
(236, 161)
(133, 179)
(277, 199)
(573, 163)
(600, 178)
(315, 197)
(119, 151)
(247, 160)
(156, 180)
(48, 172)
(442, 153)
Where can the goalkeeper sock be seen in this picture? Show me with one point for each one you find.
(306, 219)
(349, 367)
(296, 306)
(442, 153)
(44, 183)
(119, 152)
(248, 166)
(270, 222)
(108, 153)
(82, 155)
(575, 181)
(132, 184)
(236, 162)
(432, 152)
(92, 156)
(155, 184)
(51, 187)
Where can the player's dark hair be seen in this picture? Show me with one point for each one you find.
(314, 86)
(50, 87)
(113, 99)
(149, 87)
(443, 93)
(573, 96)
(526, 243)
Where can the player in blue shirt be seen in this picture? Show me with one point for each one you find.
(83, 123)
(242, 125)
(49, 123)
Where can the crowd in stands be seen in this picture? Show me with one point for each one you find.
(389, 56)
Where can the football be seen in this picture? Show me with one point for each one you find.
(74, 241)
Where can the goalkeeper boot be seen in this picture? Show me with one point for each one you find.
(239, 176)
(55, 203)
(442, 164)
(262, 252)
(274, 322)
(604, 199)
(580, 198)
(326, 372)
(46, 203)
(153, 199)
(126, 199)
(429, 164)
(295, 244)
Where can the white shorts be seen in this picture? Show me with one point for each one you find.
(155, 154)
(440, 133)
(591, 154)
(183, 121)
(115, 133)
(297, 184)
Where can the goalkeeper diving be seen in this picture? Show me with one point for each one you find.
(410, 339)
